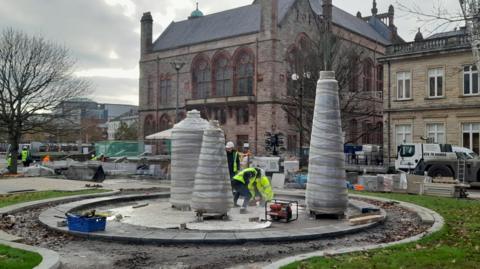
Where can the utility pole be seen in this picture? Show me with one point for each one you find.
(327, 27)
(177, 66)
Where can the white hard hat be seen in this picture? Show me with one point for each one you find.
(230, 145)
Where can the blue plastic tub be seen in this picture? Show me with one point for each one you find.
(301, 179)
(86, 224)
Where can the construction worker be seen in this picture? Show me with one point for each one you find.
(9, 162)
(246, 156)
(233, 159)
(262, 187)
(242, 184)
(25, 157)
(46, 159)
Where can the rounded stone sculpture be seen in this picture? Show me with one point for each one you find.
(326, 187)
(186, 144)
(212, 192)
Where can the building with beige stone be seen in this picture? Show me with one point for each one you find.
(431, 91)
(234, 68)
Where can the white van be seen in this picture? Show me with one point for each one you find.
(470, 154)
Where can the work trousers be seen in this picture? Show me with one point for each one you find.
(241, 190)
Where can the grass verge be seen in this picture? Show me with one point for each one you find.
(456, 245)
(19, 259)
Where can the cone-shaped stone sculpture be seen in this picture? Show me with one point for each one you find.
(326, 187)
(186, 144)
(212, 192)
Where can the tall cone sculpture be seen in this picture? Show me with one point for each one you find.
(212, 192)
(326, 187)
(186, 144)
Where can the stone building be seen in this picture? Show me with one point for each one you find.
(233, 67)
(432, 91)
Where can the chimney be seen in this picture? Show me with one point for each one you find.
(269, 10)
(146, 33)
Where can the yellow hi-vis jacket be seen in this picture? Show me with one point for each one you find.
(264, 187)
(240, 178)
(24, 155)
(9, 161)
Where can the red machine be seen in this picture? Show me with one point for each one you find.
(281, 210)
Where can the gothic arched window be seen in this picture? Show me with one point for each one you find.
(149, 125)
(223, 77)
(164, 123)
(367, 75)
(201, 79)
(244, 71)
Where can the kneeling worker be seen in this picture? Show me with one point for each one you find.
(242, 184)
(262, 187)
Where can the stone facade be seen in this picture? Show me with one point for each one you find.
(244, 116)
(449, 113)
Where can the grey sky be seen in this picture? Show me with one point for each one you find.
(104, 34)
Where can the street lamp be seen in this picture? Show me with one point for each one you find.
(295, 77)
(177, 66)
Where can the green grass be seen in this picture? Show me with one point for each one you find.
(457, 245)
(12, 258)
(10, 199)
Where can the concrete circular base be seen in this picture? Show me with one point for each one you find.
(131, 232)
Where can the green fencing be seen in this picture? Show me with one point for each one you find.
(119, 148)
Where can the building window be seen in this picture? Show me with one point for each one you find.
(367, 75)
(435, 82)
(244, 74)
(436, 131)
(403, 134)
(201, 79)
(165, 91)
(164, 123)
(353, 131)
(471, 136)
(242, 115)
(379, 133)
(470, 80)
(380, 78)
(149, 125)
(292, 143)
(404, 86)
(241, 141)
(367, 133)
(223, 77)
(220, 114)
(150, 90)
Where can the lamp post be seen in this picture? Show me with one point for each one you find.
(295, 77)
(177, 66)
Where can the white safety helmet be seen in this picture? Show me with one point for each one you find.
(229, 145)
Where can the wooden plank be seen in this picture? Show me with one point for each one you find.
(364, 219)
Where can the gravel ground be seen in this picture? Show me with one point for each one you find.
(81, 253)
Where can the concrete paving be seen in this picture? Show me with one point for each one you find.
(118, 231)
(9, 185)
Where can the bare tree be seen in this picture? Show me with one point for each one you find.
(35, 76)
(126, 131)
(471, 14)
(439, 17)
(356, 101)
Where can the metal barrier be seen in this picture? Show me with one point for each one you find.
(365, 158)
